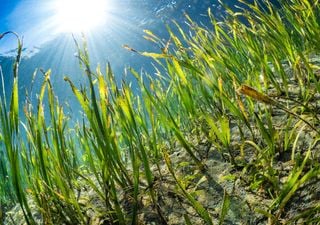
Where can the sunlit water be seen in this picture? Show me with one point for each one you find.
(48, 44)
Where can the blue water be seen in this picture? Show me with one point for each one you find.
(105, 44)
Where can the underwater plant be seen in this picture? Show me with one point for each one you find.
(197, 145)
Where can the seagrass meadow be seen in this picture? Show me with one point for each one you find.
(225, 132)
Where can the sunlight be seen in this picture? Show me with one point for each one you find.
(110, 22)
(79, 15)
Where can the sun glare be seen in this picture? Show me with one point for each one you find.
(79, 15)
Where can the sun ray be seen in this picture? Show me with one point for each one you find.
(80, 15)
